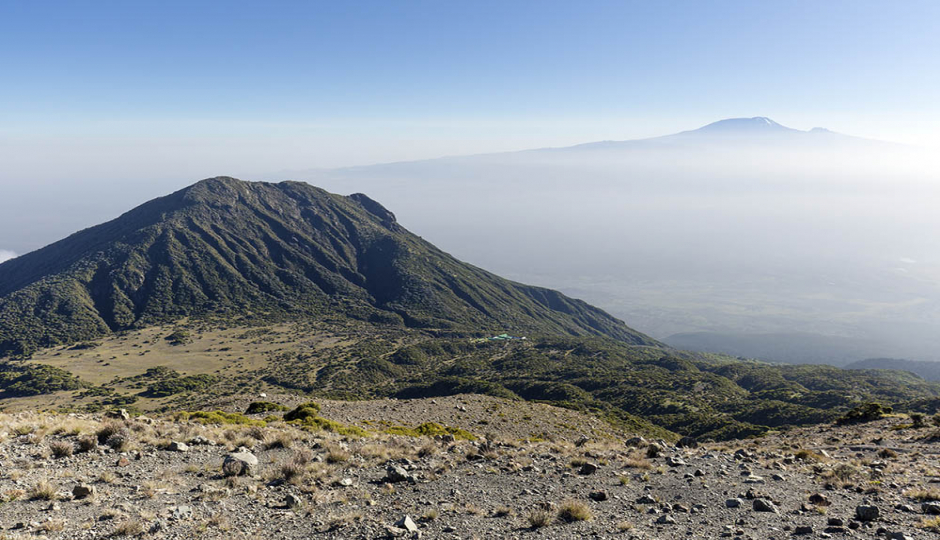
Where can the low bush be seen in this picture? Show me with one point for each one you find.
(261, 407)
(867, 412)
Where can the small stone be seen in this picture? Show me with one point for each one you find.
(397, 473)
(239, 464)
(83, 491)
(598, 496)
(177, 446)
(836, 522)
(200, 440)
(120, 414)
(761, 505)
(803, 529)
(394, 532)
(180, 512)
(665, 519)
(734, 503)
(293, 501)
(931, 508)
(646, 499)
(819, 499)
(674, 462)
(635, 442)
(407, 524)
(588, 468)
(866, 512)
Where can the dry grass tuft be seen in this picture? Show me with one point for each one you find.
(572, 510)
(540, 518)
(337, 455)
(131, 527)
(924, 495)
(43, 491)
(61, 449)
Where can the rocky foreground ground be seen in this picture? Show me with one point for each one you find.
(85, 476)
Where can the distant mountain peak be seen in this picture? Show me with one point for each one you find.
(757, 123)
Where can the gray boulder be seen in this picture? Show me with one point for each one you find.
(239, 464)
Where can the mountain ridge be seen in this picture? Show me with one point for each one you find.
(742, 125)
(258, 249)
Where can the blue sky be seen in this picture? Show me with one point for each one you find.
(188, 88)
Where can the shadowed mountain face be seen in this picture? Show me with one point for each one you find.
(266, 250)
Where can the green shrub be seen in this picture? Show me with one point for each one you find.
(303, 411)
(307, 416)
(35, 379)
(867, 412)
(179, 337)
(261, 407)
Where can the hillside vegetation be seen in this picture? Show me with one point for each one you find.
(646, 389)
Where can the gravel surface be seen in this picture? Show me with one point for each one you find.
(160, 478)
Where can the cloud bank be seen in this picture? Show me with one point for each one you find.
(6, 255)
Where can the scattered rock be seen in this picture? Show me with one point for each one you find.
(674, 462)
(866, 512)
(120, 414)
(407, 524)
(761, 505)
(180, 512)
(83, 491)
(931, 508)
(239, 464)
(177, 446)
(200, 440)
(635, 442)
(396, 473)
(588, 468)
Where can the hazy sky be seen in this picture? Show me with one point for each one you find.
(185, 90)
